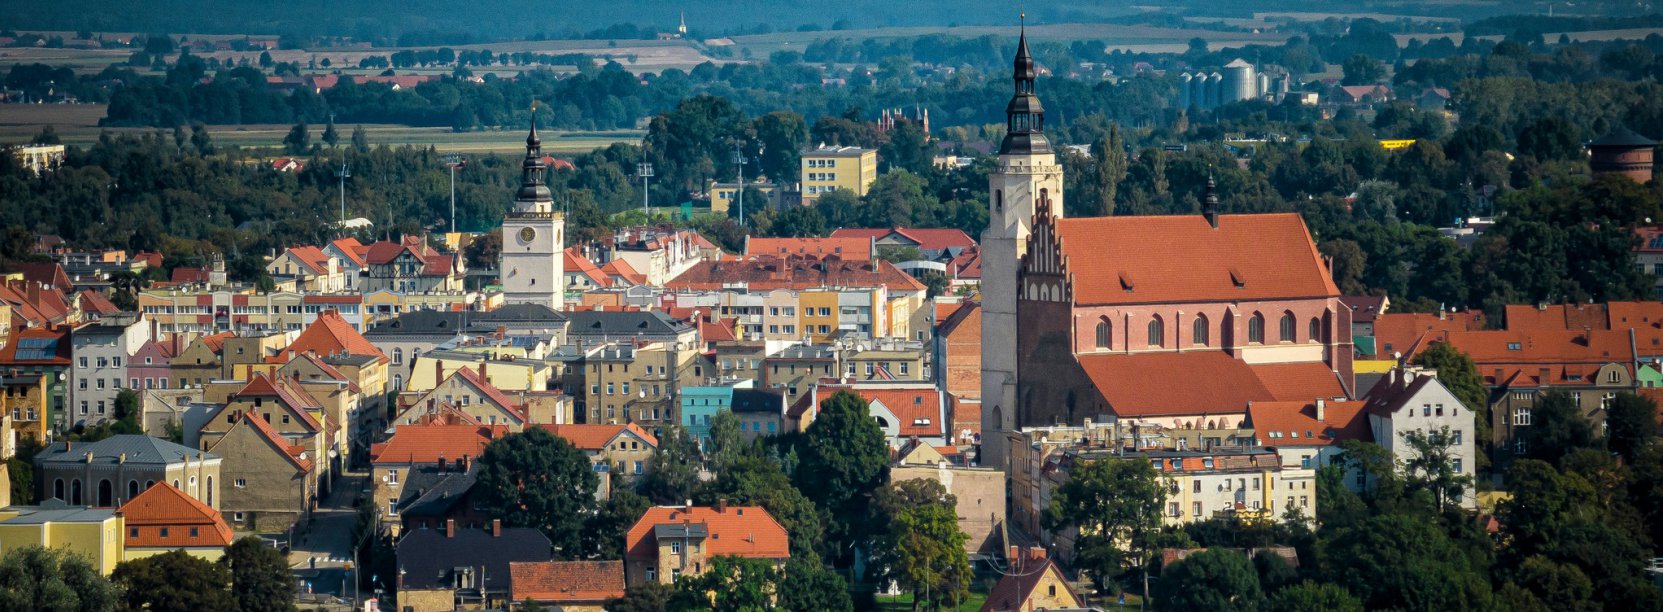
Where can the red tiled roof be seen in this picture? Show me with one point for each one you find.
(1169, 384)
(967, 265)
(857, 249)
(163, 505)
(34, 304)
(95, 302)
(190, 276)
(427, 443)
(1299, 381)
(60, 357)
(721, 330)
(576, 262)
(1015, 587)
(566, 582)
(312, 257)
(289, 451)
(489, 391)
(353, 249)
(738, 531)
(216, 342)
(384, 252)
(1398, 332)
(295, 398)
(330, 334)
(766, 273)
(1296, 424)
(620, 269)
(48, 274)
(1181, 258)
(595, 437)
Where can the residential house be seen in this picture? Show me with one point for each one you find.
(619, 453)
(638, 383)
(411, 266)
(92, 533)
(700, 405)
(448, 448)
(980, 493)
(795, 369)
(25, 401)
(300, 420)
(1032, 583)
(1413, 400)
(571, 586)
(349, 255)
(850, 247)
(273, 482)
(406, 337)
(652, 255)
(827, 168)
(1308, 434)
(761, 412)
(957, 348)
(310, 268)
(870, 297)
(163, 519)
(109, 472)
(905, 411)
(458, 568)
(471, 393)
(45, 352)
(150, 367)
(669, 542)
(201, 361)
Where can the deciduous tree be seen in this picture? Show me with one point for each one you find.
(536, 479)
(260, 576)
(174, 581)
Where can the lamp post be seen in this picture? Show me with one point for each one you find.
(346, 172)
(454, 161)
(644, 170)
(739, 162)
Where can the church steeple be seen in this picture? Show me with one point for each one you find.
(1024, 116)
(532, 190)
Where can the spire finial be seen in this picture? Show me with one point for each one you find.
(1209, 201)
(531, 140)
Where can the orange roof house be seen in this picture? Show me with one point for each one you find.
(596, 437)
(694, 534)
(163, 518)
(426, 444)
(767, 272)
(329, 334)
(566, 583)
(1033, 583)
(1326, 423)
(851, 248)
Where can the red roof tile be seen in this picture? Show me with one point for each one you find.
(566, 582)
(927, 239)
(312, 257)
(767, 273)
(163, 505)
(330, 334)
(1396, 332)
(59, 357)
(1181, 258)
(1299, 382)
(738, 531)
(856, 249)
(490, 391)
(576, 262)
(353, 250)
(619, 269)
(295, 454)
(423, 444)
(95, 302)
(595, 437)
(1295, 423)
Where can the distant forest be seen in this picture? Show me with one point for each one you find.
(444, 22)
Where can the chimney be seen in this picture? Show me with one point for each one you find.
(450, 528)
(462, 464)
(721, 505)
(438, 371)
(441, 464)
(496, 528)
(1322, 410)
(482, 375)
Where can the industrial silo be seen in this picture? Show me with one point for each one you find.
(1240, 81)
(1184, 90)
(1198, 90)
(1215, 90)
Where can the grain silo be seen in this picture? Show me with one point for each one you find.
(1241, 82)
(1184, 90)
(1214, 90)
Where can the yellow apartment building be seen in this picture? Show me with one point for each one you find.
(826, 168)
(94, 533)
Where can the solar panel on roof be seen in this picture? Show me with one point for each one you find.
(37, 343)
(24, 354)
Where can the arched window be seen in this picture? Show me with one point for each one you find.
(398, 382)
(106, 494)
(58, 489)
(1157, 333)
(1199, 331)
(1256, 329)
(1287, 327)
(1105, 334)
(75, 492)
(1316, 330)
(132, 489)
(398, 356)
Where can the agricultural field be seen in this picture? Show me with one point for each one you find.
(77, 124)
(1136, 38)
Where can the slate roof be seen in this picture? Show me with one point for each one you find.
(440, 323)
(767, 272)
(428, 492)
(623, 323)
(138, 448)
(1623, 138)
(758, 401)
(566, 581)
(426, 558)
(1181, 258)
(512, 314)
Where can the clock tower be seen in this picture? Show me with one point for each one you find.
(533, 234)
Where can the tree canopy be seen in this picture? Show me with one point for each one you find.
(537, 479)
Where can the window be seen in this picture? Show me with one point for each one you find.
(164, 532)
(1196, 508)
(1105, 334)
(1199, 331)
(398, 356)
(1287, 327)
(1157, 333)
(1613, 376)
(1197, 486)
(1521, 416)
(1316, 330)
(675, 548)
(1455, 438)
(1256, 329)
(1457, 466)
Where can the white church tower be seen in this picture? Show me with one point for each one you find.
(532, 267)
(1028, 177)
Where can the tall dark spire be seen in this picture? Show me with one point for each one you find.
(532, 188)
(1024, 116)
(1209, 202)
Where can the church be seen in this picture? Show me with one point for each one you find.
(1176, 320)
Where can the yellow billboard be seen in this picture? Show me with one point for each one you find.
(1393, 145)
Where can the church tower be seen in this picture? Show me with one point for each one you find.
(532, 267)
(1028, 177)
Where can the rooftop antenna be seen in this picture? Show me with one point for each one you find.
(346, 172)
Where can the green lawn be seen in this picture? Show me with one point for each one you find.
(904, 602)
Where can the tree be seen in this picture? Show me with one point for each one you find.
(603, 532)
(727, 442)
(922, 548)
(52, 580)
(1631, 422)
(1361, 69)
(1108, 156)
(174, 581)
(799, 222)
(1116, 506)
(485, 251)
(647, 597)
(731, 584)
(360, 140)
(761, 481)
(260, 576)
(813, 588)
(537, 479)
(1431, 467)
(844, 459)
(1557, 426)
(1213, 579)
(299, 139)
(782, 136)
(1311, 596)
(126, 413)
(1458, 374)
(201, 140)
(1403, 561)
(330, 136)
(265, 59)
(673, 469)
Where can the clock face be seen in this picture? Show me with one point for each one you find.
(526, 234)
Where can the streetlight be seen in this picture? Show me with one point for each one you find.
(739, 162)
(454, 161)
(644, 170)
(346, 172)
